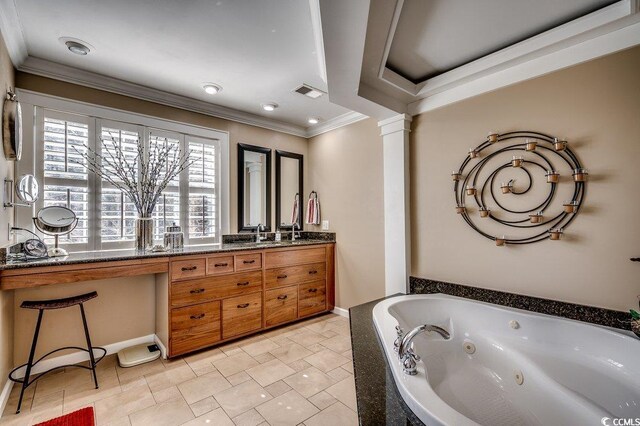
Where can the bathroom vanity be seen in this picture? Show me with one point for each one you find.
(209, 294)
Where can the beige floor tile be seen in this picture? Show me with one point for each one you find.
(278, 388)
(235, 364)
(282, 340)
(238, 378)
(129, 374)
(46, 401)
(345, 392)
(170, 413)
(339, 374)
(307, 338)
(79, 397)
(322, 400)
(67, 411)
(270, 372)
(326, 360)
(290, 408)
(290, 353)
(262, 358)
(338, 344)
(336, 414)
(73, 378)
(216, 417)
(309, 382)
(320, 326)
(347, 354)
(249, 418)
(338, 318)
(167, 394)
(317, 347)
(134, 383)
(204, 406)
(299, 365)
(201, 387)
(259, 347)
(242, 397)
(348, 366)
(341, 327)
(168, 378)
(12, 402)
(31, 417)
(204, 368)
(328, 334)
(123, 404)
(204, 359)
(123, 421)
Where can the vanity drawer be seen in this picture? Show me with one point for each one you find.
(311, 298)
(194, 327)
(219, 265)
(209, 288)
(248, 262)
(281, 305)
(280, 277)
(183, 269)
(276, 259)
(241, 314)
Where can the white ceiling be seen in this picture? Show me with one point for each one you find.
(257, 50)
(436, 36)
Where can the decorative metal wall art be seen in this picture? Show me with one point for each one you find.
(487, 178)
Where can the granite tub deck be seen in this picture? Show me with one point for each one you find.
(379, 402)
(241, 244)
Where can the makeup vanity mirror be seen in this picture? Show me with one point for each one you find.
(254, 187)
(289, 189)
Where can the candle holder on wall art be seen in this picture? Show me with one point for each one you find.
(484, 169)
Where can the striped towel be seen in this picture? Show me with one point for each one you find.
(296, 207)
(313, 209)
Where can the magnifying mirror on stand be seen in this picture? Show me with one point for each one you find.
(56, 221)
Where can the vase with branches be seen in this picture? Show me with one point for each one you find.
(141, 175)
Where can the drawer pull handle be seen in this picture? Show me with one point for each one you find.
(197, 291)
(313, 290)
(243, 283)
(248, 262)
(313, 272)
(242, 306)
(282, 277)
(221, 265)
(282, 297)
(197, 317)
(189, 268)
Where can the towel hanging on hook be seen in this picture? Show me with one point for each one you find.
(313, 209)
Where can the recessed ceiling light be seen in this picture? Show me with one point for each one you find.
(77, 48)
(270, 106)
(211, 88)
(313, 120)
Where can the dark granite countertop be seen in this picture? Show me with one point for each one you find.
(379, 401)
(114, 255)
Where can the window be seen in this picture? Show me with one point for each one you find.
(106, 214)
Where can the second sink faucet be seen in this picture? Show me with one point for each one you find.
(293, 231)
(258, 236)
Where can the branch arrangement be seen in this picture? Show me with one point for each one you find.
(143, 177)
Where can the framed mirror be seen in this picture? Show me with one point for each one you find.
(254, 187)
(289, 189)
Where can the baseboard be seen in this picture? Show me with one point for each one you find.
(341, 311)
(4, 396)
(163, 349)
(81, 356)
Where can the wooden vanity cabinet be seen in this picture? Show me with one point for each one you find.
(218, 297)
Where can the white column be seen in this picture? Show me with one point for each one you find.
(255, 193)
(397, 226)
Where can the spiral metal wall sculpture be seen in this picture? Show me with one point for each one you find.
(480, 196)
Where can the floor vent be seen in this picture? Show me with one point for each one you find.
(309, 91)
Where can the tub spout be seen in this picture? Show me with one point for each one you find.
(406, 354)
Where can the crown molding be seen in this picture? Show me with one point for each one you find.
(11, 31)
(68, 74)
(335, 123)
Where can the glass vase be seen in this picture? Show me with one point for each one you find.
(144, 233)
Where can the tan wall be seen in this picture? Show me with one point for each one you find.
(346, 170)
(125, 307)
(7, 75)
(597, 107)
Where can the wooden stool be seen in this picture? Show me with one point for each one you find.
(41, 306)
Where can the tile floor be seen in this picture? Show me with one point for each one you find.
(299, 374)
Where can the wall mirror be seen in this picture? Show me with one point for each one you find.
(254, 187)
(289, 189)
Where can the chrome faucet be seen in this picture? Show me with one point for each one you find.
(405, 352)
(293, 231)
(258, 236)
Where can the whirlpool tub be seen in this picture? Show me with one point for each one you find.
(504, 366)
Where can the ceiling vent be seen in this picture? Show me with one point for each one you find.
(309, 91)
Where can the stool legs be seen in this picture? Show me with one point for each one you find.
(32, 353)
(89, 347)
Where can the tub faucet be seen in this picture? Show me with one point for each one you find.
(407, 356)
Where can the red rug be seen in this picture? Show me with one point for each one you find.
(83, 417)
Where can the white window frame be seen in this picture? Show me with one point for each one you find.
(33, 106)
